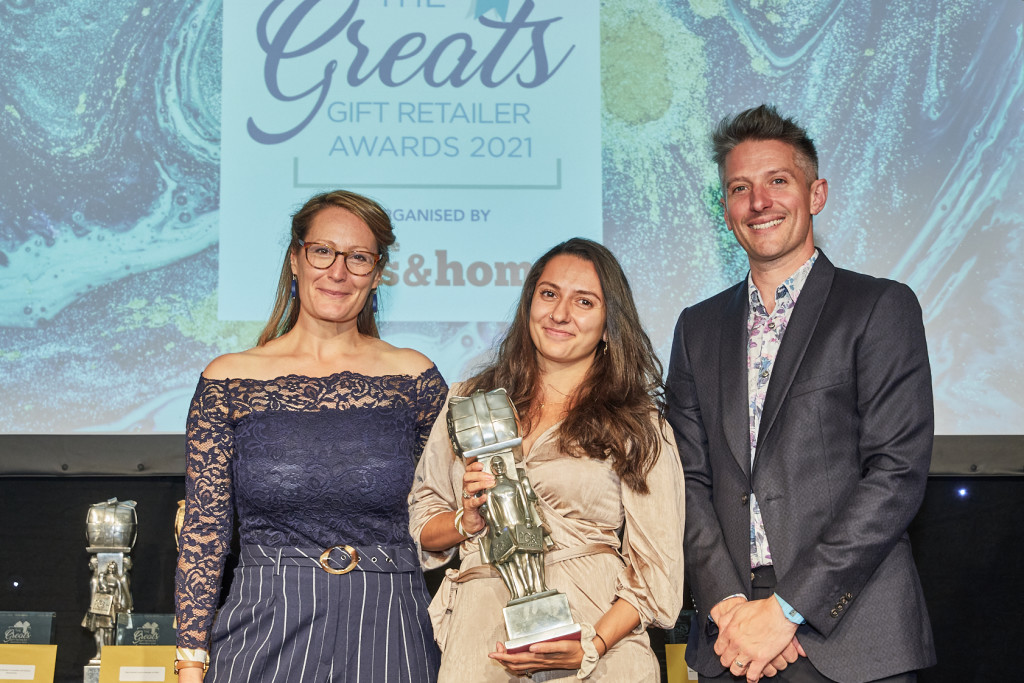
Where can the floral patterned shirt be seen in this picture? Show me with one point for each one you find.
(764, 336)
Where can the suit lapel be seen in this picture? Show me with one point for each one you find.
(801, 327)
(732, 354)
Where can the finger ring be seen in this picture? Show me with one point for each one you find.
(466, 494)
(528, 674)
(740, 664)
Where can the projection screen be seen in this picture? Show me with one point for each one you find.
(153, 153)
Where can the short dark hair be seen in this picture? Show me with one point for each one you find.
(763, 123)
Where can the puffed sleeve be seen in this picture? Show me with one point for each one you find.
(209, 512)
(652, 543)
(436, 486)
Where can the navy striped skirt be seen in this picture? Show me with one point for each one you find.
(287, 618)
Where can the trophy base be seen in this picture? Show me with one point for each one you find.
(91, 673)
(537, 620)
(517, 645)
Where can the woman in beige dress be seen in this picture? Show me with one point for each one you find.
(587, 386)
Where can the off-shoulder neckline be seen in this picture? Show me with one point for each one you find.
(339, 373)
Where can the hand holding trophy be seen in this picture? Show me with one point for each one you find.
(483, 428)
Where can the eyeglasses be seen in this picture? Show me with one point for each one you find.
(323, 256)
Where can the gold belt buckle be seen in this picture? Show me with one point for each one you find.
(353, 559)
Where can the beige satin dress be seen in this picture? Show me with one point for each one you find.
(584, 503)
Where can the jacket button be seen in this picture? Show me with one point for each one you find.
(849, 596)
(744, 499)
(839, 608)
(834, 613)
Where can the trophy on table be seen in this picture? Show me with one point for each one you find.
(483, 428)
(110, 528)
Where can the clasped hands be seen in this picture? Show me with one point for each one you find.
(754, 637)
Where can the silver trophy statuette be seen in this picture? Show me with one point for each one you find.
(483, 428)
(110, 528)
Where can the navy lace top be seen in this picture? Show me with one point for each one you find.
(306, 461)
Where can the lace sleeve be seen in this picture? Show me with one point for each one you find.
(431, 390)
(209, 511)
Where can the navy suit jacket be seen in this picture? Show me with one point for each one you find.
(843, 453)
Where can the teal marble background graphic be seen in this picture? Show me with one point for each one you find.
(109, 180)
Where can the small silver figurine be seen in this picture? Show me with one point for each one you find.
(110, 595)
(110, 529)
(484, 428)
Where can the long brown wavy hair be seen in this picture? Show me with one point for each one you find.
(610, 413)
(286, 309)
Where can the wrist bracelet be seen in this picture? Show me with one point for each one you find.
(458, 522)
(461, 529)
(601, 638)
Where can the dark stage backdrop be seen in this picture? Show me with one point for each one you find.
(968, 542)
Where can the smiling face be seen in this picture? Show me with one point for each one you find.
(334, 294)
(567, 312)
(769, 202)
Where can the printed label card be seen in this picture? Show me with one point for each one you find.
(132, 664)
(28, 663)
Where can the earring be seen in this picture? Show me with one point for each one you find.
(373, 301)
(605, 352)
(295, 288)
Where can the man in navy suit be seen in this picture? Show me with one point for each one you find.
(801, 401)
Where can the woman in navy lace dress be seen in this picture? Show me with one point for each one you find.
(312, 437)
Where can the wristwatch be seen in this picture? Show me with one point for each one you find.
(189, 664)
(190, 658)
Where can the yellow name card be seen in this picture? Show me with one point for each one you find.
(137, 663)
(675, 663)
(27, 663)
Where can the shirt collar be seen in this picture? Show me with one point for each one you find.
(791, 287)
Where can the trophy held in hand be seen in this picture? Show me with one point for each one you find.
(483, 428)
